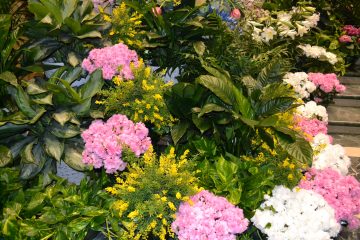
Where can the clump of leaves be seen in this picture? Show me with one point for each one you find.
(60, 211)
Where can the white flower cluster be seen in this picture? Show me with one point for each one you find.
(301, 84)
(320, 141)
(297, 215)
(311, 110)
(332, 156)
(318, 53)
(284, 26)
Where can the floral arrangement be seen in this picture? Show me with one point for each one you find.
(296, 214)
(351, 34)
(105, 142)
(207, 216)
(113, 61)
(310, 127)
(150, 192)
(342, 193)
(319, 53)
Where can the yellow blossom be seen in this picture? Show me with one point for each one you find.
(131, 189)
(290, 177)
(178, 195)
(164, 199)
(133, 214)
(172, 206)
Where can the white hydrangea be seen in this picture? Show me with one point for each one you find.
(311, 110)
(301, 84)
(320, 141)
(318, 53)
(296, 215)
(332, 156)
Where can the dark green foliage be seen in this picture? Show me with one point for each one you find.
(45, 121)
(60, 211)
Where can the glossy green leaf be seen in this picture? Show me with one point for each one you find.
(211, 107)
(73, 158)
(23, 102)
(62, 117)
(225, 170)
(27, 154)
(222, 89)
(5, 156)
(47, 100)
(201, 123)
(178, 131)
(10, 78)
(33, 88)
(93, 86)
(66, 131)
(199, 48)
(91, 34)
(79, 224)
(10, 129)
(30, 170)
(53, 146)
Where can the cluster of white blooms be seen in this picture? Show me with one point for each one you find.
(332, 156)
(284, 25)
(301, 84)
(318, 53)
(298, 214)
(311, 110)
(320, 141)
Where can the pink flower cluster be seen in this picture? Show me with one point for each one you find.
(351, 30)
(104, 142)
(209, 217)
(341, 192)
(113, 61)
(311, 126)
(326, 82)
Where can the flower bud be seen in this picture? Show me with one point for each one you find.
(235, 13)
(157, 11)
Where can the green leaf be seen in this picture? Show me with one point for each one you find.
(23, 102)
(47, 100)
(178, 131)
(202, 124)
(274, 106)
(300, 149)
(53, 146)
(5, 24)
(28, 171)
(10, 129)
(36, 201)
(225, 170)
(73, 157)
(32, 88)
(211, 107)
(5, 156)
(199, 48)
(93, 86)
(222, 89)
(91, 34)
(62, 117)
(10, 78)
(79, 224)
(51, 216)
(27, 155)
(66, 131)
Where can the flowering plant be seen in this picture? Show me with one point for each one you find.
(105, 142)
(149, 194)
(206, 216)
(113, 61)
(296, 214)
(310, 127)
(141, 99)
(301, 84)
(341, 192)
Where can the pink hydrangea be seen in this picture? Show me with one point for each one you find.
(113, 61)
(327, 82)
(311, 127)
(209, 217)
(351, 30)
(341, 192)
(345, 39)
(104, 142)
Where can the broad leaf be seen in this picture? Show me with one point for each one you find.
(73, 157)
(222, 89)
(53, 146)
(211, 107)
(178, 131)
(5, 156)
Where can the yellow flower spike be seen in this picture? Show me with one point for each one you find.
(184, 155)
(157, 196)
(158, 97)
(159, 216)
(164, 222)
(111, 190)
(153, 224)
(285, 163)
(131, 189)
(178, 195)
(99, 102)
(117, 80)
(164, 199)
(148, 106)
(292, 166)
(290, 177)
(133, 214)
(171, 206)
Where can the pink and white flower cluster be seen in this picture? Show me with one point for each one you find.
(104, 142)
(342, 193)
(208, 217)
(352, 34)
(311, 127)
(296, 214)
(113, 61)
(327, 82)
